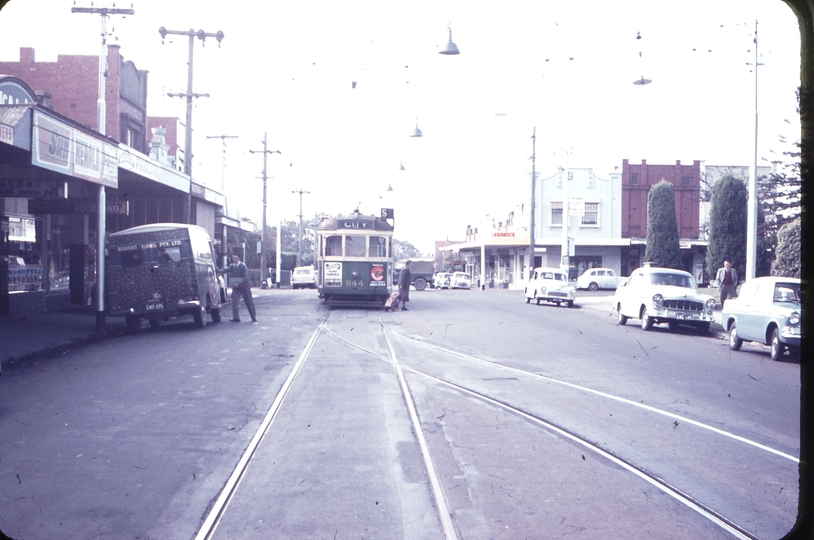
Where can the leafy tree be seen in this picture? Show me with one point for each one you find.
(663, 248)
(789, 247)
(405, 250)
(727, 224)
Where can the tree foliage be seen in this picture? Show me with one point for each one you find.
(727, 225)
(789, 247)
(405, 250)
(663, 248)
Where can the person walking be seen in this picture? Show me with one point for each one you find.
(727, 279)
(241, 286)
(405, 277)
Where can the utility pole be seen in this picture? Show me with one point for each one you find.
(200, 34)
(263, 268)
(102, 199)
(533, 199)
(223, 158)
(751, 208)
(299, 253)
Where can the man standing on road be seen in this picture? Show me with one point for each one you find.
(239, 280)
(405, 278)
(727, 279)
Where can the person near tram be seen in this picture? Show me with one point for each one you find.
(405, 277)
(241, 286)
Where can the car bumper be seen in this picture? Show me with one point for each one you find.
(681, 316)
(790, 336)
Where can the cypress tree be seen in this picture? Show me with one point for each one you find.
(663, 248)
(789, 248)
(727, 225)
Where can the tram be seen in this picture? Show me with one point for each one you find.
(354, 260)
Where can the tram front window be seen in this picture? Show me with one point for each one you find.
(333, 246)
(355, 246)
(378, 246)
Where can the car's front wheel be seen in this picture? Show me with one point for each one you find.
(776, 348)
(647, 321)
(593, 286)
(735, 341)
(621, 320)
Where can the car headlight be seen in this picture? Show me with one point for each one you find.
(794, 318)
(657, 299)
(543, 290)
(710, 305)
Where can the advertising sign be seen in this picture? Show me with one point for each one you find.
(61, 148)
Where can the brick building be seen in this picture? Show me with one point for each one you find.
(636, 183)
(72, 82)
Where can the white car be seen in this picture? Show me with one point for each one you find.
(663, 295)
(304, 276)
(598, 278)
(442, 280)
(460, 280)
(550, 285)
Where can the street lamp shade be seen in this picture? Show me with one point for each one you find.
(642, 81)
(401, 166)
(417, 132)
(450, 48)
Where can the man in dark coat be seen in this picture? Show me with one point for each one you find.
(404, 285)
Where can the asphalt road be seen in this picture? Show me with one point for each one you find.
(473, 415)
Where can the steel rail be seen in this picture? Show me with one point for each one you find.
(212, 520)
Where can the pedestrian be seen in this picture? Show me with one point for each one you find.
(241, 286)
(405, 278)
(727, 279)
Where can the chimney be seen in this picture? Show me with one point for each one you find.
(158, 145)
(26, 55)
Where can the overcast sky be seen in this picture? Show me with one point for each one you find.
(566, 68)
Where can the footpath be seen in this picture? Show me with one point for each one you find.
(54, 332)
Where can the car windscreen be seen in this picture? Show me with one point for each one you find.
(673, 280)
(787, 292)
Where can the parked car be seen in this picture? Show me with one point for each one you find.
(598, 278)
(766, 310)
(304, 276)
(663, 295)
(550, 285)
(442, 280)
(460, 280)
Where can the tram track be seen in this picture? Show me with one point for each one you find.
(707, 512)
(445, 515)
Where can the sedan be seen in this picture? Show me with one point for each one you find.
(550, 285)
(441, 280)
(460, 280)
(598, 278)
(766, 310)
(663, 295)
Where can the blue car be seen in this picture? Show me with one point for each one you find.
(766, 310)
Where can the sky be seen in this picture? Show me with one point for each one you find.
(565, 70)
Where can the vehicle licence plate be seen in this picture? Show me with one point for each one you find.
(157, 306)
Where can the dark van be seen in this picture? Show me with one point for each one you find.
(160, 271)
